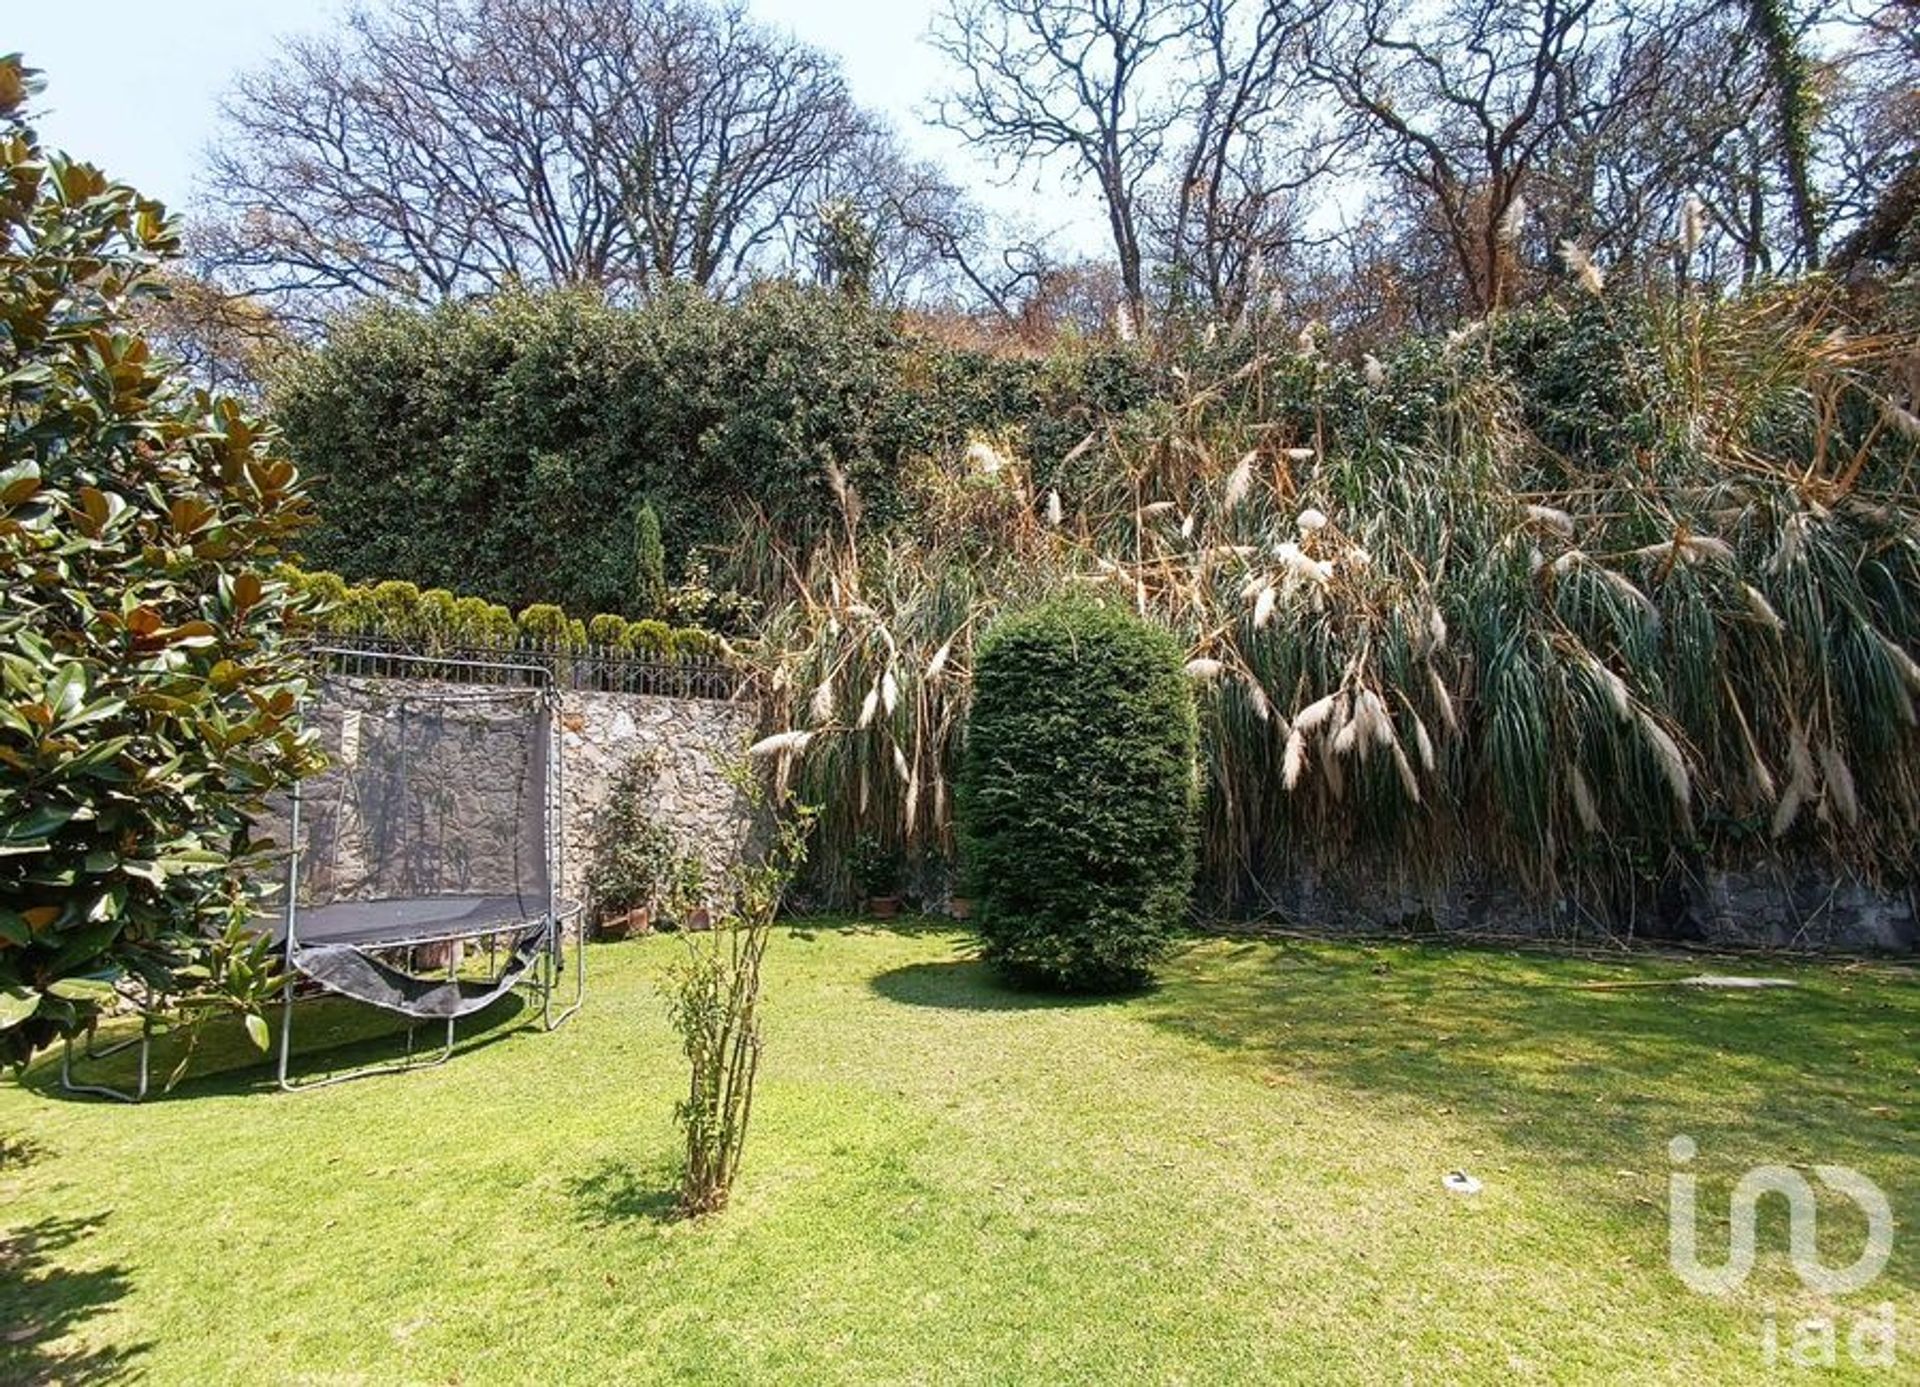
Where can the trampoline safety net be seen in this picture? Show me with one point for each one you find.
(432, 823)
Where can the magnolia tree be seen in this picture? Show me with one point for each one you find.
(148, 697)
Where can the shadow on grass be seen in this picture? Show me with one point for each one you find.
(47, 1301)
(1587, 1081)
(810, 927)
(18, 1151)
(614, 1192)
(330, 1035)
(967, 984)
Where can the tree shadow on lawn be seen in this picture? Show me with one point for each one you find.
(967, 984)
(46, 1301)
(613, 1192)
(1590, 1081)
(330, 1034)
(18, 1151)
(810, 927)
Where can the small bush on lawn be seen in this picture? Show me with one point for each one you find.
(1077, 795)
(713, 998)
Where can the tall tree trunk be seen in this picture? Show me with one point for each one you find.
(1793, 114)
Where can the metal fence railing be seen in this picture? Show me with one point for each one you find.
(600, 669)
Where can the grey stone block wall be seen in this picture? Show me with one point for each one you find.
(460, 813)
(691, 740)
(1803, 910)
(1754, 908)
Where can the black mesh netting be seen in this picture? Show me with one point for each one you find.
(430, 824)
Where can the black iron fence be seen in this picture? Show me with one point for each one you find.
(601, 669)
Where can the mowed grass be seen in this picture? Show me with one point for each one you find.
(1233, 1177)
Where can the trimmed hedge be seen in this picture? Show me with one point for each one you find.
(438, 619)
(1077, 795)
(530, 447)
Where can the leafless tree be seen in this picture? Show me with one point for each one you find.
(1253, 146)
(1664, 118)
(933, 245)
(1086, 83)
(227, 342)
(1872, 136)
(1459, 101)
(432, 148)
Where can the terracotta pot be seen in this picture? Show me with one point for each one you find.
(431, 958)
(883, 907)
(627, 924)
(960, 907)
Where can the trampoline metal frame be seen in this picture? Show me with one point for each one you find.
(543, 978)
(144, 1040)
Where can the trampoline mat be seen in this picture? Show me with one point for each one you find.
(406, 921)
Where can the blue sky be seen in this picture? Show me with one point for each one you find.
(134, 85)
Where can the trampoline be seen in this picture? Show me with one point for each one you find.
(423, 865)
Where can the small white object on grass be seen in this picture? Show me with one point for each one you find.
(1460, 1182)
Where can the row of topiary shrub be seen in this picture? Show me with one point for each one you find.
(437, 620)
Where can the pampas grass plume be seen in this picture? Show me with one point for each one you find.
(780, 743)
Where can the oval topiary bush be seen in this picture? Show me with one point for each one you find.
(1076, 796)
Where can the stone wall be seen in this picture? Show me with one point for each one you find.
(427, 796)
(1756, 908)
(691, 740)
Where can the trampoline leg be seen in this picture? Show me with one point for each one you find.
(556, 951)
(144, 1041)
(286, 1035)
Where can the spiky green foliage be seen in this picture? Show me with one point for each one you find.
(1590, 599)
(649, 563)
(1077, 794)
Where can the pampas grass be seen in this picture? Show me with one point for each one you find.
(780, 744)
(1239, 481)
(1746, 591)
(1673, 765)
(1580, 265)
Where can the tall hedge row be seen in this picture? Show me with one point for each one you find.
(1077, 794)
(507, 448)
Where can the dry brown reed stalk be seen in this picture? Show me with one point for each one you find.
(1536, 659)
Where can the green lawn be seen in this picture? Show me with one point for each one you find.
(1235, 1177)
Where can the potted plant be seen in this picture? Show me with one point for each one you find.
(876, 868)
(687, 896)
(631, 857)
